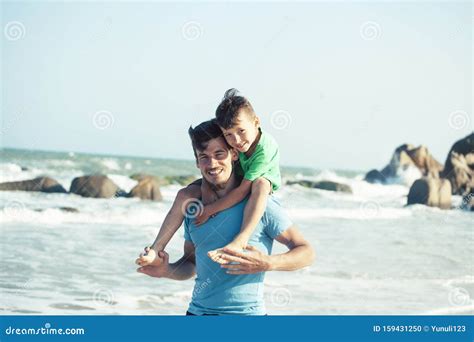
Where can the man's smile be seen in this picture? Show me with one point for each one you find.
(215, 172)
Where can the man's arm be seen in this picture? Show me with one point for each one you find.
(182, 269)
(300, 255)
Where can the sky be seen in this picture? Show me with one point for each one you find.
(338, 84)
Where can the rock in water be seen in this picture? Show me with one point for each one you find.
(425, 162)
(433, 192)
(42, 184)
(459, 166)
(324, 185)
(147, 189)
(96, 186)
(406, 157)
(375, 176)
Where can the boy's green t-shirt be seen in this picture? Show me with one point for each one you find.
(264, 161)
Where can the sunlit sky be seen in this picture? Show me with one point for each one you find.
(339, 85)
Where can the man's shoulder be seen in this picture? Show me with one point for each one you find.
(275, 220)
(273, 209)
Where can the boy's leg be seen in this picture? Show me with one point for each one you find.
(253, 212)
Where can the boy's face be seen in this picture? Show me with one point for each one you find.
(216, 161)
(242, 135)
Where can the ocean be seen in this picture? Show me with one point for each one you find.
(374, 256)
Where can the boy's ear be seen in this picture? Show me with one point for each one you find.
(234, 154)
(257, 121)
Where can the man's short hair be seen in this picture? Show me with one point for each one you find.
(202, 133)
(230, 107)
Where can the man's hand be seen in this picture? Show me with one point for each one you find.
(253, 261)
(157, 271)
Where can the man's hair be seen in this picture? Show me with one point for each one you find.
(230, 107)
(202, 133)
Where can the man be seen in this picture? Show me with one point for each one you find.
(236, 285)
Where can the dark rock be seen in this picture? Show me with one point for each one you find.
(96, 186)
(459, 166)
(181, 180)
(148, 188)
(42, 184)
(433, 192)
(66, 209)
(140, 176)
(69, 209)
(324, 185)
(404, 157)
(375, 176)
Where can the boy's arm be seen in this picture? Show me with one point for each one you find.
(231, 199)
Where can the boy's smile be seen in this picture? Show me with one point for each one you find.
(243, 133)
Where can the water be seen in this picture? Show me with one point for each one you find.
(374, 256)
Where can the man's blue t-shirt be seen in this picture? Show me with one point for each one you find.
(215, 291)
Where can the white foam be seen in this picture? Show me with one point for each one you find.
(55, 216)
(407, 176)
(111, 164)
(365, 212)
(452, 310)
(124, 182)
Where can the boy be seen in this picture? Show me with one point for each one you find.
(259, 159)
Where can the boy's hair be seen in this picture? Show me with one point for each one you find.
(230, 107)
(202, 133)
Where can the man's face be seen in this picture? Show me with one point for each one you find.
(215, 162)
(244, 132)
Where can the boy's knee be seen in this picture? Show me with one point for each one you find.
(261, 184)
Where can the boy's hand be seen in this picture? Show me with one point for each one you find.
(157, 271)
(149, 257)
(203, 217)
